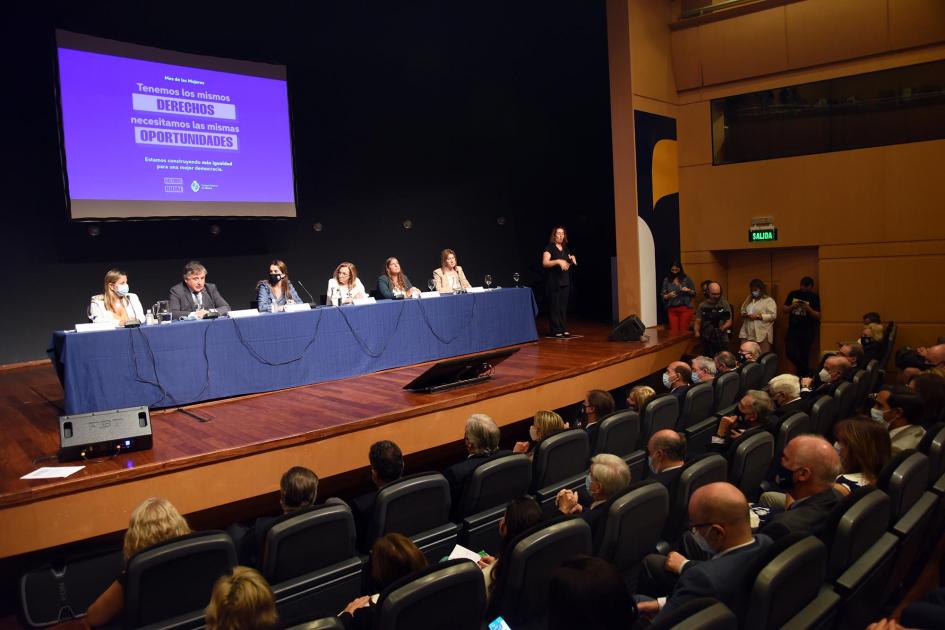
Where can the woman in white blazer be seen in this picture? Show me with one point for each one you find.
(449, 276)
(758, 314)
(116, 304)
(344, 286)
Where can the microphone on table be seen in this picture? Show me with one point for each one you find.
(311, 299)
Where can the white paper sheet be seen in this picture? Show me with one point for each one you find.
(52, 472)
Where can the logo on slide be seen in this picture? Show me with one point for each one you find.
(194, 186)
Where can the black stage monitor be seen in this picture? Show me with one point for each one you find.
(630, 329)
(460, 371)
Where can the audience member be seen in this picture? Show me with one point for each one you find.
(854, 354)
(720, 526)
(934, 356)
(749, 352)
(520, 514)
(785, 393)
(298, 489)
(481, 439)
(607, 477)
(930, 387)
(152, 522)
(871, 339)
(677, 379)
(753, 414)
(667, 455)
(804, 308)
(872, 317)
(588, 593)
(544, 425)
(864, 448)
(241, 600)
(597, 405)
(703, 370)
(393, 556)
(835, 371)
(725, 361)
(809, 467)
(713, 320)
(638, 396)
(387, 465)
(758, 311)
(900, 409)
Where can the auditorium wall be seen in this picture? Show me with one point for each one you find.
(454, 117)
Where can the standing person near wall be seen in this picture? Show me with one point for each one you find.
(803, 305)
(557, 260)
(758, 314)
(713, 321)
(677, 292)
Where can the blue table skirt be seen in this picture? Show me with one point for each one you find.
(190, 361)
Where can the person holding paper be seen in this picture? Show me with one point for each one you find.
(276, 291)
(194, 297)
(394, 283)
(116, 304)
(344, 286)
(449, 277)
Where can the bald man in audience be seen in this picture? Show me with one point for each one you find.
(721, 527)
(667, 454)
(835, 371)
(809, 468)
(677, 379)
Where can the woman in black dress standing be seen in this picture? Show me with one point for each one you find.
(557, 260)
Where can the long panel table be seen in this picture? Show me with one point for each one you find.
(191, 361)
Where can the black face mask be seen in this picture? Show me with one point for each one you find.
(275, 278)
(673, 274)
(784, 478)
(743, 358)
(867, 341)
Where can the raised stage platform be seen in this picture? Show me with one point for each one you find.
(246, 444)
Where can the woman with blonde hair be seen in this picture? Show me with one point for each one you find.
(544, 425)
(241, 600)
(449, 276)
(344, 286)
(638, 396)
(116, 304)
(759, 311)
(154, 521)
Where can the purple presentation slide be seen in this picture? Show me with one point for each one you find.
(139, 130)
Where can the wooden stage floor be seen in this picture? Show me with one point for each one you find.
(247, 442)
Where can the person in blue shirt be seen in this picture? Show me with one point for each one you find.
(276, 289)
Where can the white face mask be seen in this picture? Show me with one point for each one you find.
(878, 415)
(824, 376)
(533, 433)
(122, 289)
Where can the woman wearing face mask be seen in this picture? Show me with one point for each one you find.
(677, 292)
(116, 304)
(275, 292)
(759, 311)
(544, 425)
(872, 341)
(864, 449)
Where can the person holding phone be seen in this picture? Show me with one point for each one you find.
(803, 306)
(752, 415)
(677, 293)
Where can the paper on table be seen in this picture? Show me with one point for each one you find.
(462, 552)
(52, 472)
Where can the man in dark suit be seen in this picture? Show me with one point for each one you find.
(194, 297)
(677, 379)
(667, 455)
(481, 438)
(753, 414)
(809, 467)
(597, 405)
(836, 370)
(387, 465)
(721, 527)
(785, 393)
(607, 477)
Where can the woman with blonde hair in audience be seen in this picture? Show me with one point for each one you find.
(872, 341)
(544, 425)
(241, 600)
(864, 449)
(638, 396)
(759, 311)
(152, 522)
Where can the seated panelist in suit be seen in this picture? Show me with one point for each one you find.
(344, 286)
(449, 276)
(115, 304)
(481, 438)
(394, 282)
(276, 289)
(607, 477)
(194, 297)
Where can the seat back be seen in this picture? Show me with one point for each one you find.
(863, 520)
(411, 505)
(726, 388)
(175, 578)
(769, 362)
(904, 479)
(861, 381)
(704, 470)
(619, 433)
(558, 457)
(325, 623)
(845, 395)
(753, 375)
(521, 594)
(786, 584)
(309, 541)
(634, 522)
(750, 463)
(794, 425)
(658, 414)
(697, 405)
(450, 594)
(889, 342)
(933, 445)
(823, 413)
(873, 373)
(701, 613)
(495, 483)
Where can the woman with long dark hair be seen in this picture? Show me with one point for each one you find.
(273, 293)
(557, 260)
(394, 283)
(677, 292)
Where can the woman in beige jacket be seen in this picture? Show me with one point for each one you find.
(449, 277)
(758, 314)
